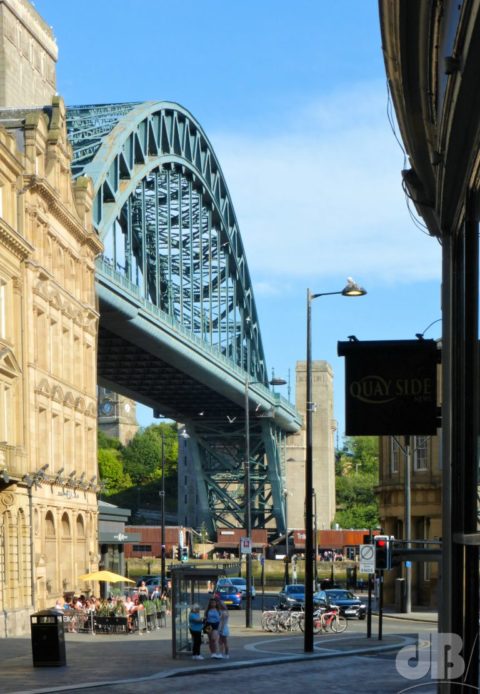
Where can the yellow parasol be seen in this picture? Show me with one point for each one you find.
(108, 576)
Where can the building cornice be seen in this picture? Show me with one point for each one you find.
(43, 188)
(13, 241)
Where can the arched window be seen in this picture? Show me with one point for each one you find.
(49, 525)
(80, 527)
(66, 532)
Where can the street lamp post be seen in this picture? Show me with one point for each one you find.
(162, 539)
(248, 499)
(315, 543)
(248, 512)
(287, 539)
(352, 289)
(407, 532)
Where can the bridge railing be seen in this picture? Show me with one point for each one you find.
(106, 269)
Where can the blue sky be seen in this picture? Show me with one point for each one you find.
(293, 98)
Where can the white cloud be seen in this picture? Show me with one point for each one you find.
(321, 196)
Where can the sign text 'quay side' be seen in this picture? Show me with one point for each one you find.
(390, 387)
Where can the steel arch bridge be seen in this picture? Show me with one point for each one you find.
(179, 329)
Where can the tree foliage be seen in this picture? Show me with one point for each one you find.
(143, 454)
(356, 478)
(132, 475)
(112, 475)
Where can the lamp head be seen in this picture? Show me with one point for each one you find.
(277, 382)
(353, 289)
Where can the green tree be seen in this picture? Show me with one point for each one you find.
(356, 478)
(143, 454)
(110, 468)
(363, 453)
(105, 441)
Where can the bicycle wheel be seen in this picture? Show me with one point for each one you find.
(284, 622)
(297, 618)
(317, 625)
(339, 623)
(301, 621)
(272, 623)
(265, 617)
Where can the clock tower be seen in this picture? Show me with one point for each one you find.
(117, 415)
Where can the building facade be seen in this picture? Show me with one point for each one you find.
(48, 333)
(146, 541)
(424, 497)
(28, 56)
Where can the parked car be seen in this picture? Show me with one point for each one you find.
(229, 595)
(350, 605)
(241, 584)
(292, 596)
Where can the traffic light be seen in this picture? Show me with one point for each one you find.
(184, 554)
(179, 553)
(383, 552)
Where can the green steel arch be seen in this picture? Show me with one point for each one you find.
(173, 248)
(136, 152)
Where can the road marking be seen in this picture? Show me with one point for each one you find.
(263, 646)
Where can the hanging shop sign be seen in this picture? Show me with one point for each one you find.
(390, 387)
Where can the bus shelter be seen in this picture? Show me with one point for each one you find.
(189, 586)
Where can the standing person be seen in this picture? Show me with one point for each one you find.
(224, 630)
(142, 592)
(195, 623)
(212, 622)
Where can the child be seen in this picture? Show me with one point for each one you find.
(224, 630)
(195, 623)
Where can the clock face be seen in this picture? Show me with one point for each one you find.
(106, 407)
(126, 407)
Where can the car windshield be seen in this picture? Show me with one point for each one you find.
(340, 595)
(239, 581)
(226, 589)
(295, 589)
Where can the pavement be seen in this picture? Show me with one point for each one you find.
(141, 662)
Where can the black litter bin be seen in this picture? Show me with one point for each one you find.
(48, 639)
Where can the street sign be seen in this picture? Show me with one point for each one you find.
(245, 545)
(367, 559)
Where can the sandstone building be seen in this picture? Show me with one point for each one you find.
(28, 55)
(48, 332)
(425, 502)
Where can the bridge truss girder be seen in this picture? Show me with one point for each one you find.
(174, 260)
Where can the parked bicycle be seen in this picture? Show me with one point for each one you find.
(327, 619)
(281, 620)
